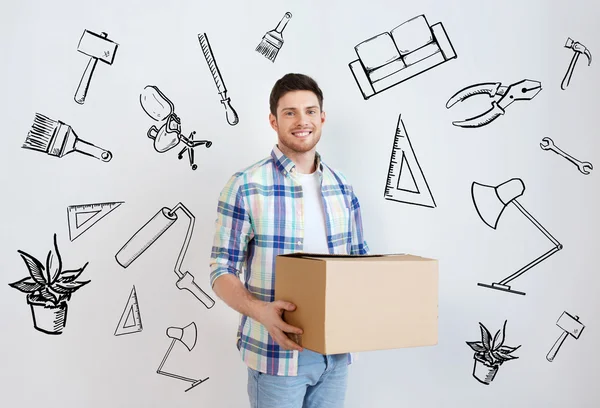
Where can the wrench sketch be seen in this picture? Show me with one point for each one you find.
(584, 167)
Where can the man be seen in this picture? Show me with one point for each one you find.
(290, 201)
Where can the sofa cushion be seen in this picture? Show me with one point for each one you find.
(412, 34)
(377, 51)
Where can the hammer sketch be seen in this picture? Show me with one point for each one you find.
(131, 319)
(583, 167)
(161, 109)
(524, 90)
(404, 52)
(57, 139)
(149, 233)
(49, 288)
(490, 354)
(82, 217)
(230, 113)
(187, 336)
(99, 48)
(571, 326)
(272, 41)
(578, 49)
(405, 181)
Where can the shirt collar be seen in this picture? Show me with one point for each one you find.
(286, 165)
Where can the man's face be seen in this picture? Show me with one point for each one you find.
(299, 121)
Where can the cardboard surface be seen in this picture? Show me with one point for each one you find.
(351, 303)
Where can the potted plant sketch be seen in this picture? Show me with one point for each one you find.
(49, 288)
(490, 354)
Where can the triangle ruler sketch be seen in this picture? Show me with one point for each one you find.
(131, 320)
(405, 180)
(83, 217)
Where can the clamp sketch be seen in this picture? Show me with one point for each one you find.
(584, 167)
(161, 109)
(520, 91)
(578, 49)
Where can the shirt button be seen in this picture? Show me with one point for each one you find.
(299, 242)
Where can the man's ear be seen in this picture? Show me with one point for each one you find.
(273, 122)
(322, 117)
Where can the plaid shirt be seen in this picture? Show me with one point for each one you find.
(259, 216)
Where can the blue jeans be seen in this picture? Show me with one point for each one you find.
(321, 383)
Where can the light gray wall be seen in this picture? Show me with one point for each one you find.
(503, 42)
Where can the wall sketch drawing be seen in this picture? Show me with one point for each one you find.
(82, 217)
(272, 41)
(49, 288)
(230, 113)
(149, 233)
(187, 336)
(161, 109)
(56, 138)
(583, 167)
(131, 319)
(393, 57)
(524, 90)
(578, 49)
(405, 182)
(99, 48)
(490, 203)
(490, 354)
(571, 326)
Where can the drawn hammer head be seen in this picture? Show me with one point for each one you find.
(97, 46)
(580, 48)
(570, 324)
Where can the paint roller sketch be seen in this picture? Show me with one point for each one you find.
(149, 233)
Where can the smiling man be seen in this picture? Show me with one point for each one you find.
(290, 201)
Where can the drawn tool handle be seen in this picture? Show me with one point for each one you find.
(283, 22)
(89, 149)
(232, 116)
(552, 353)
(187, 282)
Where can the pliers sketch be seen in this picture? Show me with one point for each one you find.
(520, 91)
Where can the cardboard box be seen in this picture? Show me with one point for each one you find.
(351, 303)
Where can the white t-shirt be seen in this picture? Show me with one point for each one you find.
(315, 233)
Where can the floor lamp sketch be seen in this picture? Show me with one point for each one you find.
(490, 202)
(186, 335)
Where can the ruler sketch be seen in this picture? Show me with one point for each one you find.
(131, 319)
(405, 180)
(82, 217)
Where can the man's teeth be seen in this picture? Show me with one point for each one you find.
(301, 134)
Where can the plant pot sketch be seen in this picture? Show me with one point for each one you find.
(49, 288)
(490, 354)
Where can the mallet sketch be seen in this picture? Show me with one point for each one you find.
(490, 203)
(272, 41)
(56, 138)
(99, 48)
(578, 49)
(571, 326)
(230, 113)
(161, 109)
(524, 90)
(187, 336)
(149, 233)
(583, 167)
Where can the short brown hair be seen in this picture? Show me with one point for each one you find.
(293, 82)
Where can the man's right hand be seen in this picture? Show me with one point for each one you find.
(269, 314)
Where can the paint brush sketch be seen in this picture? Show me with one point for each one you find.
(272, 41)
(169, 135)
(187, 336)
(578, 49)
(408, 50)
(99, 48)
(405, 181)
(230, 113)
(490, 354)
(490, 203)
(583, 167)
(82, 217)
(49, 288)
(131, 319)
(524, 90)
(570, 326)
(149, 233)
(57, 139)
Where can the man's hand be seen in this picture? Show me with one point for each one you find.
(269, 314)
